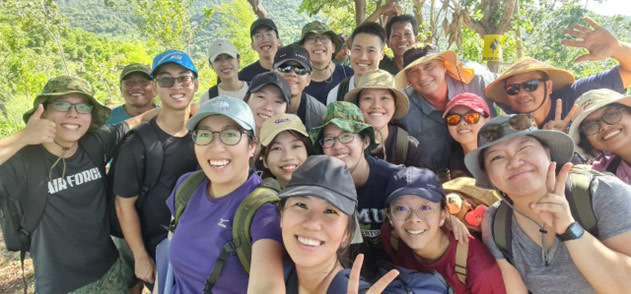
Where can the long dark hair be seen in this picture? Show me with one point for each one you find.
(264, 152)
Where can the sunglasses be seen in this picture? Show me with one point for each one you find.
(168, 82)
(345, 138)
(299, 70)
(529, 86)
(491, 132)
(471, 118)
(228, 137)
(610, 117)
(80, 108)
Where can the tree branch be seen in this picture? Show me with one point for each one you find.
(505, 21)
(258, 8)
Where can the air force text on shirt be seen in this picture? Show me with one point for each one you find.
(60, 184)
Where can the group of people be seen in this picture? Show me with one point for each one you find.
(355, 159)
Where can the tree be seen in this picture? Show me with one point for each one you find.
(258, 8)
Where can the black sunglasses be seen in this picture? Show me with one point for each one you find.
(530, 86)
(299, 70)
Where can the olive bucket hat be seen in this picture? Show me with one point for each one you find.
(320, 28)
(63, 85)
(506, 127)
(346, 116)
(380, 79)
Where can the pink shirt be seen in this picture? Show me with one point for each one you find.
(623, 172)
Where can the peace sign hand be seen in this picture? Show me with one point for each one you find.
(553, 209)
(599, 42)
(559, 123)
(377, 287)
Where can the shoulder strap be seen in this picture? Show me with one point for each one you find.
(93, 148)
(462, 252)
(34, 203)
(578, 195)
(183, 195)
(213, 92)
(501, 229)
(343, 89)
(401, 146)
(613, 166)
(154, 156)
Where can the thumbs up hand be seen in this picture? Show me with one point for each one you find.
(38, 130)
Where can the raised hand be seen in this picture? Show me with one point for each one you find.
(377, 287)
(553, 209)
(598, 41)
(559, 123)
(38, 130)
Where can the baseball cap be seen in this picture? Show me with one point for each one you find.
(270, 78)
(221, 46)
(135, 67)
(416, 181)
(295, 53)
(173, 56)
(233, 108)
(468, 100)
(280, 123)
(265, 22)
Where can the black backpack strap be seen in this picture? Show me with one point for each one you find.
(343, 88)
(154, 156)
(501, 230)
(401, 146)
(213, 92)
(613, 166)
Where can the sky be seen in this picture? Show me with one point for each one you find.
(610, 7)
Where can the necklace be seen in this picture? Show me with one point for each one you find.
(329, 79)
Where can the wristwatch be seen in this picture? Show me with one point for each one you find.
(574, 231)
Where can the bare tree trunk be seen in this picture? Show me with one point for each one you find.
(360, 11)
(518, 39)
(418, 11)
(258, 8)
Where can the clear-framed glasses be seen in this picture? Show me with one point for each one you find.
(402, 212)
(228, 137)
(63, 106)
(344, 138)
(269, 35)
(168, 82)
(324, 39)
(610, 117)
(529, 86)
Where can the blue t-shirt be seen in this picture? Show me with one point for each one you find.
(118, 115)
(203, 230)
(320, 90)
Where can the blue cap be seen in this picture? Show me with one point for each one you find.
(173, 56)
(233, 108)
(416, 181)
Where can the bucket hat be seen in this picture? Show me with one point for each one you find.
(415, 56)
(135, 67)
(280, 123)
(589, 102)
(320, 28)
(506, 127)
(173, 56)
(380, 79)
(233, 108)
(347, 117)
(63, 85)
(416, 181)
(468, 100)
(560, 78)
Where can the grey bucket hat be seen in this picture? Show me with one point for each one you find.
(506, 127)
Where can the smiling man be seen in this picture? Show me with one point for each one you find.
(137, 90)
(401, 35)
(224, 60)
(265, 42)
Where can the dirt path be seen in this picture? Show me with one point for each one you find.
(11, 272)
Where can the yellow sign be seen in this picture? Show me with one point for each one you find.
(492, 47)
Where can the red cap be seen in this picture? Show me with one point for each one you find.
(469, 100)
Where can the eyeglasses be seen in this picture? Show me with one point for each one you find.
(80, 108)
(299, 70)
(269, 35)
(454, 119)
(168, 82)
(324, 39)
(228, 137)
(529, 86)
(131, 83)
(344, 138)
(402, 212)
(493, 132)
(610, 117)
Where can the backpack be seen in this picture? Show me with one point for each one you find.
(613, 166)
(343, 88)
(468, 202)
(400, 145)
(578, 195)
(154, 156)
(266, 192)
(414, 282)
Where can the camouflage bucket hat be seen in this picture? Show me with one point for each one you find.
(346, 116)
(320, 28)
(63, 85)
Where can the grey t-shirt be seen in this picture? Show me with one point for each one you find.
(611, 200)
(71, 247)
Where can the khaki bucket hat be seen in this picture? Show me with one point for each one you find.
(560, 78)
(416, 56)
(381, 79)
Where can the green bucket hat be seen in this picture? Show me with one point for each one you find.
(346, 116)
(63, 85)
(320, 28)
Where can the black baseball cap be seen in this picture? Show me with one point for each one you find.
(266, 22)
(295, 53)
(270, 78)
(416, 181)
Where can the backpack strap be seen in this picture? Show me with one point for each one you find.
(401, 146)
(213, 92)
(501, 230)
(343, 88)
(154, 157)
(462, 252)
(183, 195)
(613, 166)
(578, 195)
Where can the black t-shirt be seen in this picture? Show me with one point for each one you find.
(248, 72)
(320, 90)
(457, 168)
(129, 171)
(413, 157)
(71, 247)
